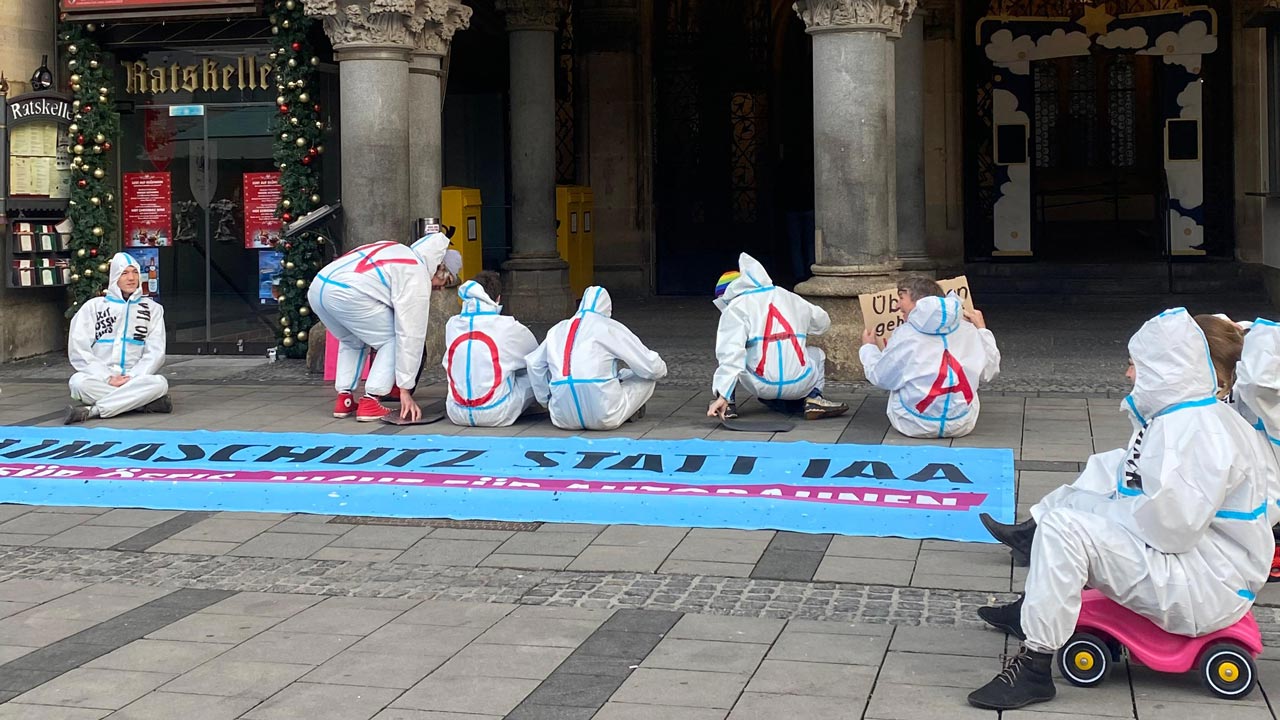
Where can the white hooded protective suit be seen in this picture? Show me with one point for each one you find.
(932, 367)
(1257, 391)
(114, 335)
(575, 371)
(484, 359)
(1182, 538)
(762, 338)
(378, 297)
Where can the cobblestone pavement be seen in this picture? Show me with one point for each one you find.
(134, 614)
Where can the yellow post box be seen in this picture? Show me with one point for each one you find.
(583, 273)
(564, 198)
(460, 208)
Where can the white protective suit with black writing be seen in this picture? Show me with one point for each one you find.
(575, 372)
(1182, 536)
(1257, 391)
(377, 298)
(762, 338)
(932, 367)
(117, 336)
(484, 359)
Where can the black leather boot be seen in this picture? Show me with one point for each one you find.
(1027, 679)
(1017, 536)
(1007, 618)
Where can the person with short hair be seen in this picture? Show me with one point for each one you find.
(117, 344)
(762, 344)
(575, 372)
(485, 358)
(933, 364)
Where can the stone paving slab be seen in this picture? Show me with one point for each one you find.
(675, 665)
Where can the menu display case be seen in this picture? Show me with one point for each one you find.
(35, 177)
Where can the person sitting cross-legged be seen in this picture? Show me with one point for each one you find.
(485, 358)
(116, 344)
(576, 371)
(933, 364)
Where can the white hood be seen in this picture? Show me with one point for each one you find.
(431, 249)
(595, 299)
(936, 315)
(1258, 374)
(1171, 357)
(475, 301)
(119, 262)
(754, 278)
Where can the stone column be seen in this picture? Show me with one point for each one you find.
(373, 46)
(537, 280)
(433, 25)
(908, 51)
(855, 174)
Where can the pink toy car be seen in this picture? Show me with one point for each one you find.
(1224, 659)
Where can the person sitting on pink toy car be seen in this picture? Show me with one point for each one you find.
(1183, 539)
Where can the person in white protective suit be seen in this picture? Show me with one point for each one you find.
(761, 343)
(377, 298)
(485, 358)
(575, 371)
(116, 344)
(1182, 536)
(1257, 390)
(1225, 340)
(933, 364)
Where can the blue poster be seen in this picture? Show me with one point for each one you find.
(149, 260)
(872, 490)
(270, 265)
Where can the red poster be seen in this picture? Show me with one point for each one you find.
(261, 196)
(195, 6)
(158, 135)
(148, 210)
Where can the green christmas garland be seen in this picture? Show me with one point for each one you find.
(95, 126)
(298, 133)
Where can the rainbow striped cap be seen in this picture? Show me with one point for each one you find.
(723, 283)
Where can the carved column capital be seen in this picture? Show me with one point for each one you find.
(533, 14)
(434, 23)
(354, 23)
(888, 16)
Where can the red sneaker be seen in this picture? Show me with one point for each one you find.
(1275, 566)
(370, 410)
(344, 406)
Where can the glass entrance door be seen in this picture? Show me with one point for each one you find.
(210, 264)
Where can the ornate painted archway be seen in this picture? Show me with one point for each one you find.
(1179, 36)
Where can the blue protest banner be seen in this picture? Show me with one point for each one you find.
(874, 490)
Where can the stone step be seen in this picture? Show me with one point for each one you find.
(1115, 280)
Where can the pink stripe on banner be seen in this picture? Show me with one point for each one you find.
(830, 494)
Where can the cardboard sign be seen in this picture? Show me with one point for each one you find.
(148, 210)
(881, 313)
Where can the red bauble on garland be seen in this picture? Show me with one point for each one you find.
(284, 108)
(93, 252)
(82, 183)
(296, 46)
